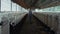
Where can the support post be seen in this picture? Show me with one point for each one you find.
(0, 5)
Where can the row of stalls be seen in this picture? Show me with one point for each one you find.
(51, 19)
(7, 18)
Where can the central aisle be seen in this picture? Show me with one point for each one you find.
(33, 28)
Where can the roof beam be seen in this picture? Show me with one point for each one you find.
(35, 1)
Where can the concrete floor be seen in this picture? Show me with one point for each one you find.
(33, 28)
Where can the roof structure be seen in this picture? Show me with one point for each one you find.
(37, 3)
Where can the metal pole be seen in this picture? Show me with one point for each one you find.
(0, 5)
(16, 7)
(11, 5)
